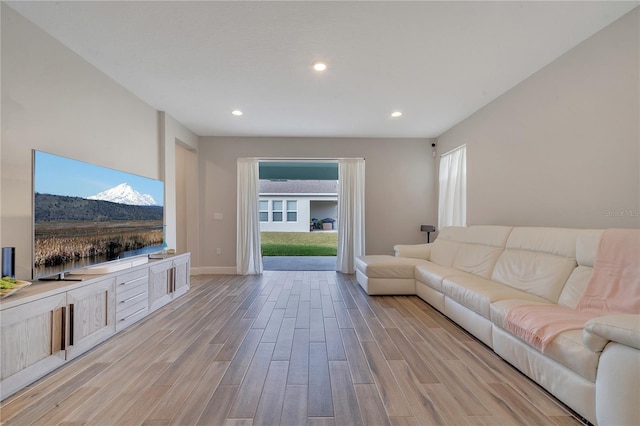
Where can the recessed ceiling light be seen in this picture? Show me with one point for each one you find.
(396, 114)
(319, 66)
(236, 112)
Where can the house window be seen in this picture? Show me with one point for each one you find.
(452, 197)
(276, 214)
(292, 211)
(263, 208)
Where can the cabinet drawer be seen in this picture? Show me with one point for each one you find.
(132, 298)
(132, 279)
(130, 276)
(131, 315)
(136, 282)
(132, 310)
(128, 292)
(132, 288)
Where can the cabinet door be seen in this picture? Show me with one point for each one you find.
(181, 277)
(159, 291)
(92, 315)
(31, 341)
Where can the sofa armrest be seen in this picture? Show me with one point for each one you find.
(624, 329)
(416, 251)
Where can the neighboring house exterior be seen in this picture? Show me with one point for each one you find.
(289, 205)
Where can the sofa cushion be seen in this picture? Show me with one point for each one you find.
(477, 293)
(488, 235)
(477, 259)
(575, 286)
(384, 266)
(567, 348)
(500, 308)
(445, 248)
(444, 251)
(540, 274)
(556, 241)
(432, 274)
(538, 260)
(587, 243)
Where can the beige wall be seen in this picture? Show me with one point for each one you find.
(173, 135)
(563, 147)
(54, 101)
(187, 203)
(399, 187)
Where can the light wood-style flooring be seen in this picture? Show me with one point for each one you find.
(289, 348)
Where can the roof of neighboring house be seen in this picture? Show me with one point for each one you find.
(298, 186)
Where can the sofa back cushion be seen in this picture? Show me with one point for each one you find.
(477, 259)
(538, 260)
(586, 248)
(488, 235)
(445, 247)
(480, 249)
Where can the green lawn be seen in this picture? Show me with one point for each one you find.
(299, 243)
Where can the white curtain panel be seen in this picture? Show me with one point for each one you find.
(248, 254)
(350, 213)
(452, 197)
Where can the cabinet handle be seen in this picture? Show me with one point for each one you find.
(173, 279)
(71, 322)
(132, 281)
(131, 298)
(63, 329)
(132, 315)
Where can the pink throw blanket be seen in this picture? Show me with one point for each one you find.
(615, 282)
(538, 325)
(614, 287)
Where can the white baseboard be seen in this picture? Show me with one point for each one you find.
(214, 270)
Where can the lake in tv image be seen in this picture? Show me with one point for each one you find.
(86, 214)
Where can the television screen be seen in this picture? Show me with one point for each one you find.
(86, 214)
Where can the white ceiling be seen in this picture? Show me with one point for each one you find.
(437, 62)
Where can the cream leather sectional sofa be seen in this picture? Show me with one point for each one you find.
(474, 275)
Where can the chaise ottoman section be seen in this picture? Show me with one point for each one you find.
(383, 274)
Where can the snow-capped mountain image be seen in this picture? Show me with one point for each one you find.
(124, 194)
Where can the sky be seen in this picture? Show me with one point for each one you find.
(63, 176)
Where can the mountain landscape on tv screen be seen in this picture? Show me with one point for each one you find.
(74, 230)
(121, 203)
(124, 194)
(60, 208)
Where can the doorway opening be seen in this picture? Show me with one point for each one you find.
(298, 209)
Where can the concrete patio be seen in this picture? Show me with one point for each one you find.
(299, 263)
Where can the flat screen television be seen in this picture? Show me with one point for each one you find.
(85, 214)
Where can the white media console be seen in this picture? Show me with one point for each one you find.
(47, 324)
